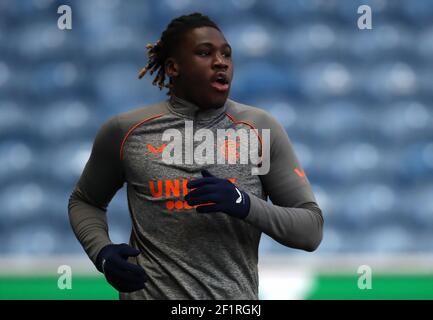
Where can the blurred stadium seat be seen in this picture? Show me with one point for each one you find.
(356, 105)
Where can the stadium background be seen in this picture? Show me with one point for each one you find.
(357, 105)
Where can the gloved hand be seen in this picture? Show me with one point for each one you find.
(122, 275)
(223, 194)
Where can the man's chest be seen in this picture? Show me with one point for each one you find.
(159, 160)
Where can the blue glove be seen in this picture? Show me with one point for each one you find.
(122, 275)
(223, 194)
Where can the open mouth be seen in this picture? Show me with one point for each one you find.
(220, 83)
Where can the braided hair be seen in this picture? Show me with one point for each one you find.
(170, 40)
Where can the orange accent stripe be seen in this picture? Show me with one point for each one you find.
(133, 128)
(300, 173)
(248, 124)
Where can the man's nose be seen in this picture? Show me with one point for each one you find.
(220, 62)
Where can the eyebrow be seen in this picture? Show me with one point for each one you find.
(209, 44)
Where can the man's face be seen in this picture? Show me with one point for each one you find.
(205, 68)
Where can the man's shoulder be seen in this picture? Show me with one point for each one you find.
(139, 114)
(242, 112)
(125, 120)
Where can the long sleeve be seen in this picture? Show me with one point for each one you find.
(294, 218)
(101, 179)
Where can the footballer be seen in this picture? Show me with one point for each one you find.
(196, 225)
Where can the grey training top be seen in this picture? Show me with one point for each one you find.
(188, 255)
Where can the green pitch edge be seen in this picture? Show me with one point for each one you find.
(387, 287)
(325, 287)
(45, 288)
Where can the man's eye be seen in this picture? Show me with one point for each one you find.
(203, 53)
(227, 54)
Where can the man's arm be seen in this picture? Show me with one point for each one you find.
(294, 218)
(101, 179)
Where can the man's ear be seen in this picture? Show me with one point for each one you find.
(171, 68)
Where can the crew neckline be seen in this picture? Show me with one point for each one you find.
(191, 111)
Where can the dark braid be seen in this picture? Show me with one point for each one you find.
(170, 40)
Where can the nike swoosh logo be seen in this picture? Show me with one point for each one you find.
(238, 200)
